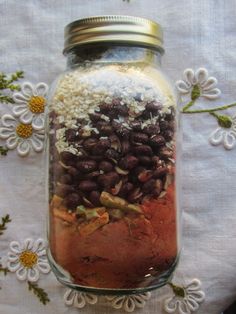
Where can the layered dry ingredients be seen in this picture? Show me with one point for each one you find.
(113, 215)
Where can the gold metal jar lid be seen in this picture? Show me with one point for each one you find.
(114, 29)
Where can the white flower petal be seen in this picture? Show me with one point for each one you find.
(41, 89)
(69, 297)
(38, 245)
(26, 117)
(210, 83)
(38, 122)
(6, 132)
(118, 302)
(33, 274)
(170, 305)
(40, 134)
(44, 267)
(212, 94)
(194, 285)
(19, 98)
(139, 301)
(42, 254)
(146, 296)
(189, 77)
(12, 257)
(27, 89)
(129, 304)
(90, 298)
(201, 76)
(18, 110)
(183, 307)
(79, 300)
(23, 148)
(8, 121)
(28, 244)
(12, 141)
(198, 296)
(15, 247)
(192, 304)
(13, 266)
(229, 140)
(21, 274)
(216, 137)
(182, 87)
(233, 129)
(37, 143)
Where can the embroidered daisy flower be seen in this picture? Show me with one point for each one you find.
(30, 104)
(79, 299)
(129, 302)
(28, 259)
(185, 300)
(226, 132)
(21, 136)
(198, 84)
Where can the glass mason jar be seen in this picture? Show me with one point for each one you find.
(113, 213)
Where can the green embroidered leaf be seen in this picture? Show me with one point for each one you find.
(195, 92)
(3, 150)
(178, 291)
(39, 292)
(224, 121)
(6, 83)
(6, 99)
(5, 220)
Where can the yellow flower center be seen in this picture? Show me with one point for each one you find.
(28, 259)
(24, 130)
(36, 104)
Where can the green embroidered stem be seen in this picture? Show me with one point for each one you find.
(39, 292)
(188, 105)
(178, 291)
(3, 150)
(4, 270)
(209, 110)
(6, 83)
(6, 219)
(195, 94)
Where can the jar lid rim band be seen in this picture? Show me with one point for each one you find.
(114, 29)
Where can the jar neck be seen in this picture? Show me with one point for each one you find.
(112, 54)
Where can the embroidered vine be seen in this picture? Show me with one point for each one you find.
(6, 85)
(4, 270)
(39, 292)
(3, 225)
(198, 85)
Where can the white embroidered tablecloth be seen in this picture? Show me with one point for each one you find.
(197, 33)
